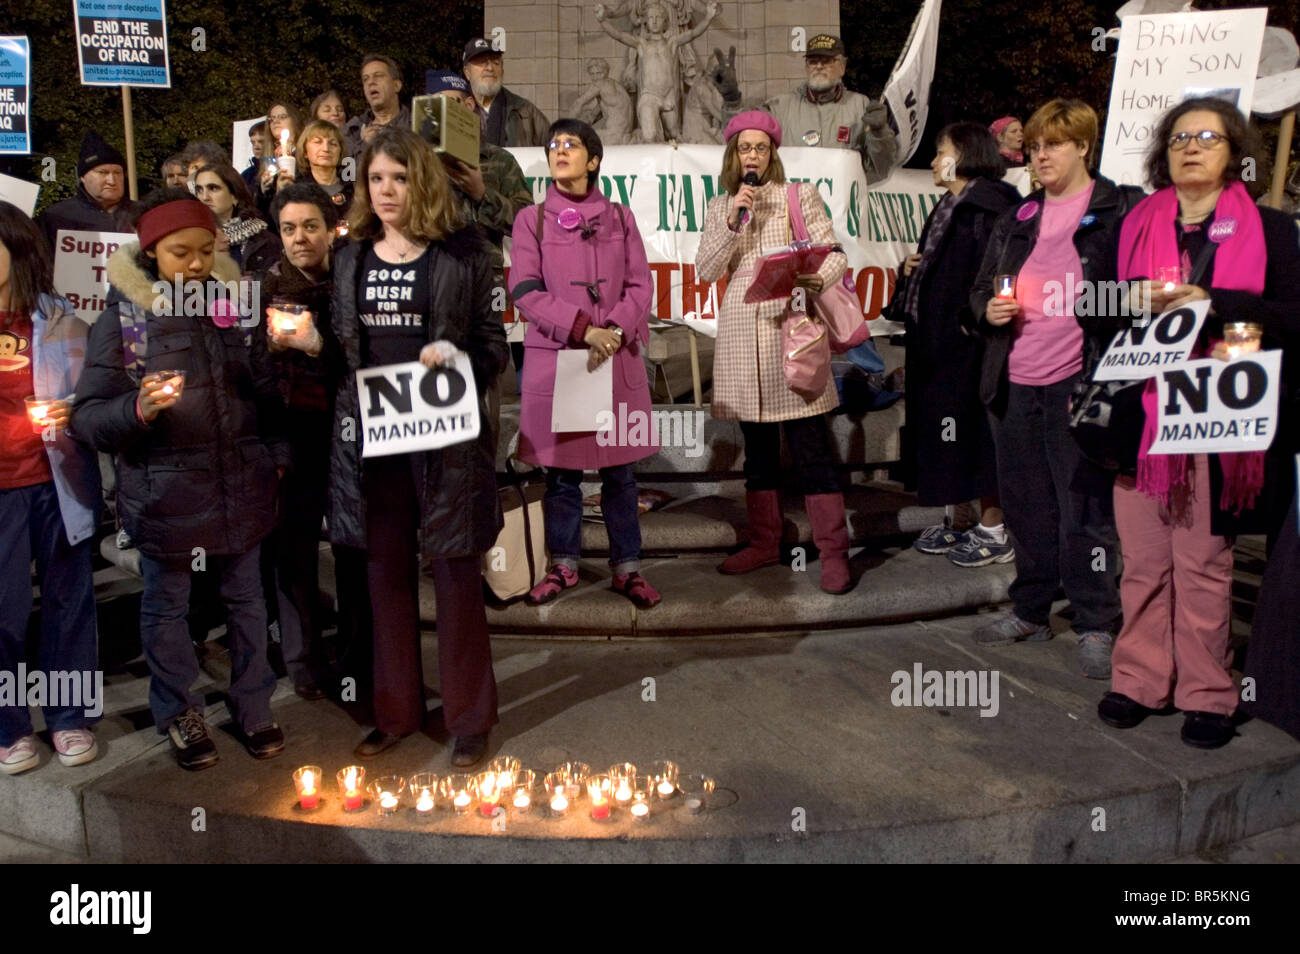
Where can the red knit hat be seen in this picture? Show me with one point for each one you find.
(170, 217)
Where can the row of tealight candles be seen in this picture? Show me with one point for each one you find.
(504, 786)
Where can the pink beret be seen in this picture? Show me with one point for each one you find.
(758, 119)
(998, 125)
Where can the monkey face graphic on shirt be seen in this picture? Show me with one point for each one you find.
(11, 352)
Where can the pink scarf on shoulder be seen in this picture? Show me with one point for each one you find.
(1147, 241)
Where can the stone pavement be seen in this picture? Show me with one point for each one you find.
(813, 760)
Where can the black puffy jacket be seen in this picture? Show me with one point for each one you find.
(462, 513)
(203, 473)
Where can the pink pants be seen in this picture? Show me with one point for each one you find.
(1176, 591)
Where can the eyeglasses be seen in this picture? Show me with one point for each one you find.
(1050, 146)
(761, 149)
(1206, 139)
(566, 144)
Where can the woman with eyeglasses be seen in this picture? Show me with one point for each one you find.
(749, 382)
(281, 118)
(1178, 515)
(582, 280)
(1042, 339)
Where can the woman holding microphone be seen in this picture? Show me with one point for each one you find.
(749, 383)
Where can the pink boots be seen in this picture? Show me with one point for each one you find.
(826, 512)
(764, 507)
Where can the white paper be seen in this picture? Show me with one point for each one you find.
(19, 192)
(408, 407)
(580, 395)
(241, 149)
(1142, 351)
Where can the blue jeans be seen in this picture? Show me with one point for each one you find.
(563, 509)
(31, 527)
(170, 654)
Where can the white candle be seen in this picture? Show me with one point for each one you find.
(624, 792)
(666, 788)
(425, 802)
(461, 800)
(559, 803)
(387, 800)
(522, 800)
(695, 805)
(640, 810)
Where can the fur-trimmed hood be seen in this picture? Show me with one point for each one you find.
(136, 285)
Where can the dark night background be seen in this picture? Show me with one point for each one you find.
(994, 58)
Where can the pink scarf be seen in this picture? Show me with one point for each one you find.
(1147, 241)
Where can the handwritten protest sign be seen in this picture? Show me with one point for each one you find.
(1166, 58)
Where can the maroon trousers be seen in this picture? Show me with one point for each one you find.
(468, 685)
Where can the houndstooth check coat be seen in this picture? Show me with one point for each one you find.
(748, 380)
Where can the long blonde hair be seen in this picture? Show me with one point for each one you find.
(431, 212)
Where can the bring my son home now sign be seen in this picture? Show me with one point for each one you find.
(408, 407)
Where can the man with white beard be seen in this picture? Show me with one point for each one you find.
(507, 119)
(822, 112)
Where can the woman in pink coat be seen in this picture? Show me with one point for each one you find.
(582, 281)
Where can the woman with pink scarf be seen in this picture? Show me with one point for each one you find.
(1178, 516)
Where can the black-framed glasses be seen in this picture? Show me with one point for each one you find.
(1206, 139)
(759, 148)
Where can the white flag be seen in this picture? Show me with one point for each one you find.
(907, 92)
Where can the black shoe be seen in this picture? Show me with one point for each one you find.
(264, 743)
(376, 743)
(469, 749)
(1120, 711)
(309, 691)
(1207, 730)
(189, 736)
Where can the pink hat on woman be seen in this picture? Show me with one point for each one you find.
(999, 125)
(758, 119)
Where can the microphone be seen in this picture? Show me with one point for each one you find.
(751, 179)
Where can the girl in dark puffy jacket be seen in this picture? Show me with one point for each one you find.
(188, 404)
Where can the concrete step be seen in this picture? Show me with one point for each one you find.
(814, 761)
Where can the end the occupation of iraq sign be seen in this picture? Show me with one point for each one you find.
(122, 42)
(15, 82)
(408, 407)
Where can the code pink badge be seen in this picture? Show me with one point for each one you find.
(569, 218)
(1027, 211)
(1222, 230)
(224, 314)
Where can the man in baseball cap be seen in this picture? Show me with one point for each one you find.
(508, 119)
(821, 112)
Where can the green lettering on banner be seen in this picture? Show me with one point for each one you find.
(537, 185)
(853, 214)
(686, 207)
(712, 188)
(667, 183)
(622, 184)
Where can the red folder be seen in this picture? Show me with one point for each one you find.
(775, 272)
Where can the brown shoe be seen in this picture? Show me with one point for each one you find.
(469, 750)
(376, 743)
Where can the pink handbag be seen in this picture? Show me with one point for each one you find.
(838, 306)
(805, 355)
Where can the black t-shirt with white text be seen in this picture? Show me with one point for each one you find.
(393, 305)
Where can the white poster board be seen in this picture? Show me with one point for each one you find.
(580, 396)
(1212, 407)
(19, 192)
(81, 268)
(1141, 350)
(408, 407)
(241, 150)
(907, 92)
(1166, 58)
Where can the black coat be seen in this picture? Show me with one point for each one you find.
(1277, 311)
(82, 214)
(203, 473)
(461, 513)
(1013, 239)
(947, 426)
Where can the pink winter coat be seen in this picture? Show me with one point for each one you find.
(544, 290)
